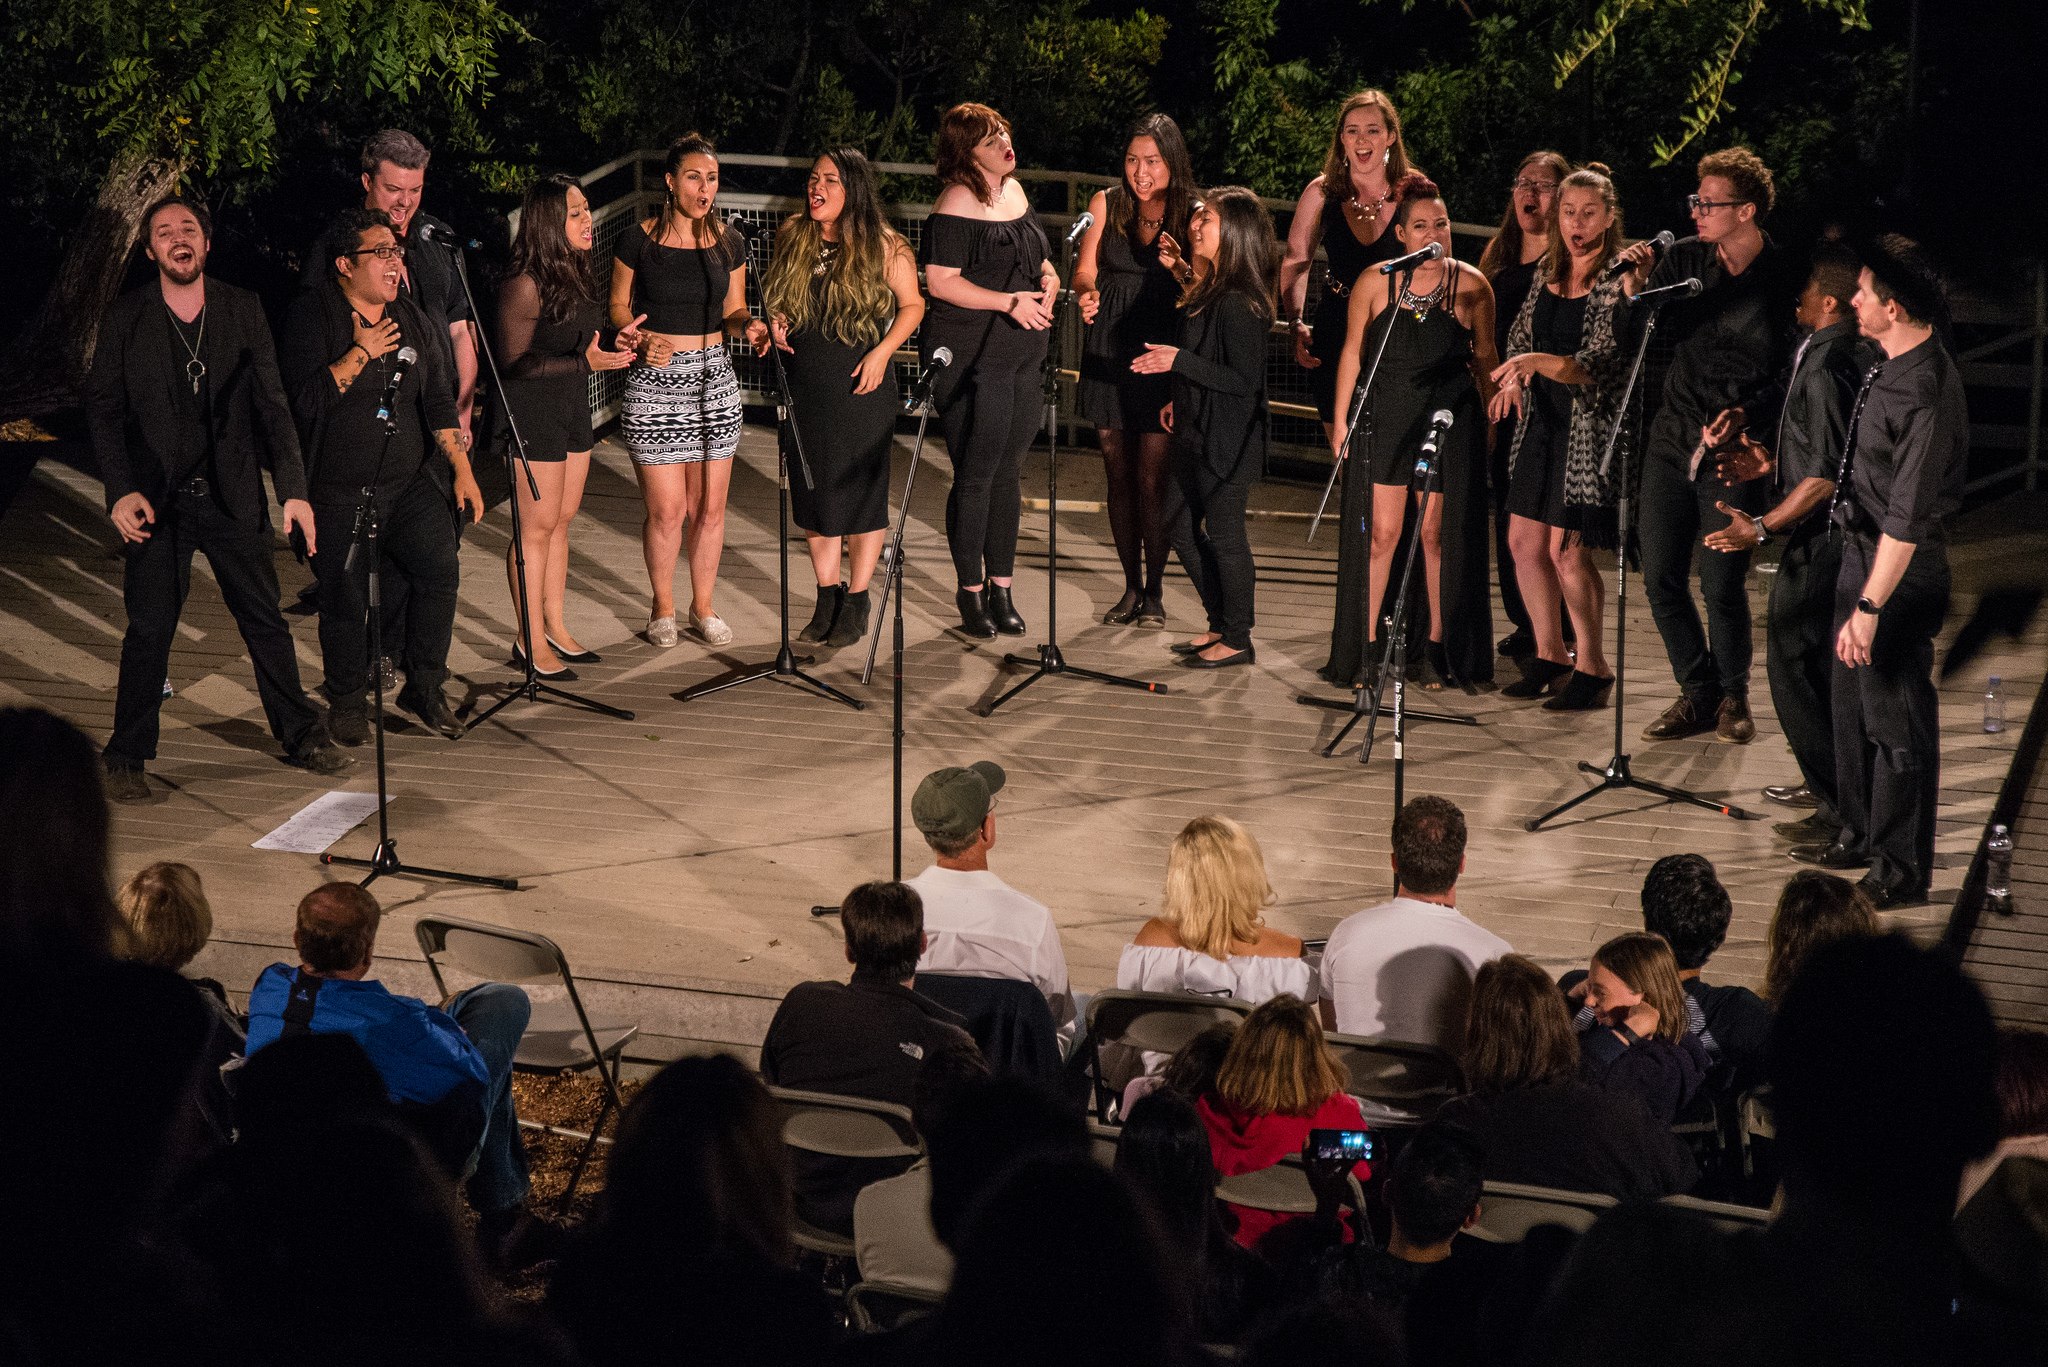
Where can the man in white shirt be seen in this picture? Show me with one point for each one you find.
(1404, 969)
(976, 925)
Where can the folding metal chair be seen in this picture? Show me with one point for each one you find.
(841, 1127)
(1509, 1210)
(561, 1037)
(1397, 1082)
(1151, 1022)
(873, 1307)
(1283, 1188)
(1730, 1218)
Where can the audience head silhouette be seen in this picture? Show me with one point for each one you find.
(1684, 902)
(991, 1125)
(1815, 909)
(1434, 1187)
(169, 918)
(1216, 886)
(1279, 1063)
(884, 928)
(1429, 846)
(55, 903)
(1518, 1031)
(337, 929)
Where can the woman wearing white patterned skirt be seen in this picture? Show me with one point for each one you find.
(682, 276)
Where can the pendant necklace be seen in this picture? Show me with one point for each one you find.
(828, 252)
(195, 369)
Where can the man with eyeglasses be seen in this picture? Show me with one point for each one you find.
(1717, 374)
(340, 360)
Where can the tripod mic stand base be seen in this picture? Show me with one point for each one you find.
(1618, 774)
(384, 861)
(787, 666)
(1048, 660)
(533, 690)
(1413, 714)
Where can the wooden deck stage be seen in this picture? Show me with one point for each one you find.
(683, 849)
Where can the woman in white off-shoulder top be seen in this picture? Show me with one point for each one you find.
(1209, 937)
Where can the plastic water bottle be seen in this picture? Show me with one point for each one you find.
(1994, 707)
(1998, 866)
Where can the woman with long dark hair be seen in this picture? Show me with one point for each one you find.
(1218, 414)
(550, 336)
(988, 267)
(1348, 210)
(1125, 284)
(683, 273)
(841, 296)
(1562, 378)
(1439, 357)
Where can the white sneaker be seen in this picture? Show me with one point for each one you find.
(662, 631)
(713, 629)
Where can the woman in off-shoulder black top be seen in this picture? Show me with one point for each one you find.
(989, 271)
(550, 337)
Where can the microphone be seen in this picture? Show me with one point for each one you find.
(406, 357)
(1081, 225)
(1659, 245)
(1440, 422)
(1414, 258)
(1664, 294)
(921, 388)
(442, 235)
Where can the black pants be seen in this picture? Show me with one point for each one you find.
(416, 535)
(1799, 654)
(1205, 518)
(1887, 725)
(157, 577)
(989, 419)
(1676, 512)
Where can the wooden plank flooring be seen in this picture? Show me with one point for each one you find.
(683, 848)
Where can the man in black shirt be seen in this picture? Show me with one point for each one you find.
(185, 410)
(1720, 365)
(1799, 638)
(376, 430)
(1901, 478)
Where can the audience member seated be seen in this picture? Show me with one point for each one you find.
(865, 1037)
(1191, 1073)
(452, 1070)
(169, 922)
(1331, 1331)
(1636, 1043)
(1684, 902)
(975, 924)
(1649, 1283)
(1278, 1082)
(1404, 968)
(1815, 909)
(688, 1254)
(893, 1238)
(2022, 1083)
(1209, 936)
(1535, 1118)
(1163, 1151)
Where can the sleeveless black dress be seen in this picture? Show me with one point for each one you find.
(1536, 484)
(1348, 259)
(1138, 306)
(846, 436)
(1427, 367)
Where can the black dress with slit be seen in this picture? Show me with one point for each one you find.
(1347, 259)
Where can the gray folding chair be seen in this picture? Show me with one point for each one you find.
(1728, 1217)
(1102, 1142)
(1152, 1022)
(841, 1127)
(1753, 1122)
(1396, 1082)
(561, 1037)
(1283, 1188)
(873, 1307)
(1509, 1210)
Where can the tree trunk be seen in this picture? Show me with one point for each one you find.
(48, 360)
(787, 130)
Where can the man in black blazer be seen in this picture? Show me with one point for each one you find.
(185, 410)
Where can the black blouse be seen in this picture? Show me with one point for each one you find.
(1005, 256)
(1219, 383)
(680, 289)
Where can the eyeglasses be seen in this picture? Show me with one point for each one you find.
(390, 251)
(1541, 187)
(1698, 205)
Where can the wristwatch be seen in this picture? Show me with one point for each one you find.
(1763, 533)
(1864, 605)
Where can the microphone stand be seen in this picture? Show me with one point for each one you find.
(1049, 660)
(384, 859)
(531, 687)
(1618, 774)
(1426, 475)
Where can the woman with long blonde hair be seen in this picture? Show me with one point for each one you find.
(1210, 935)
(841, 296)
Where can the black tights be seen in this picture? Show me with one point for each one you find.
(1136, 466)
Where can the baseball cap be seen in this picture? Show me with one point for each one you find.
(954, 802)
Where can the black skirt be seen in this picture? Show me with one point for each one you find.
(846, 437)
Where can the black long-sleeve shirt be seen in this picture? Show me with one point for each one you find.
(1219, 383)
(150, 432)
(1724, 348)
(1826, 374)
(1912, 446)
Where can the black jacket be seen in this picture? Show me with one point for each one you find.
(1219, 386)
(1818, 397)
(135, 420)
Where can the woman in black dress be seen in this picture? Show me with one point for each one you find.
(1127, 292)
(550, 336)
(988, 266)
(841, 297)
(1218, 414)
(1561, 382)
(1439, 355)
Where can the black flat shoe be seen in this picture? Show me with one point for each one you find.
(1833, 855)
(974, 620)
(1812, 830)
(1792, 795)
(1190, 648)
(1242, 657)
(432, 712)
(1153, 613)
(1002, 611)
(1582, 692)
(1884, 897)
(1539, 676)
(562, 675)
(575, 657)
(1126, 609)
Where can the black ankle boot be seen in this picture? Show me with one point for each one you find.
(974, 615)
(853, 619)
(830, 597)
(1003, 612)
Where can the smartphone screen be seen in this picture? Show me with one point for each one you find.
(1356, 1145)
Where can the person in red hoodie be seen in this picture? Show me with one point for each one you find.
(1278, 1081)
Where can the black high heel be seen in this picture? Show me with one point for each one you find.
(1538, 677)
(1581, 693)
(974, 620)
(1002, 611)
(562, 675)
(1153, 612)
(573, 657)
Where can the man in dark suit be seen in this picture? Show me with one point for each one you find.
(185, 410)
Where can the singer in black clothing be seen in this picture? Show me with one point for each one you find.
(185, 409)
(988, 268)
(341, 362)
(1900, 479)
(1218, 414)
(1717, 373)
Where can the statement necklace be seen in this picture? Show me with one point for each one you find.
(1421, 305)
(195, 369)
(1367, 213)
(828, 252)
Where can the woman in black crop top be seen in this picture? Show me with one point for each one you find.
(683, 276)
(988, 267)
(550, 337)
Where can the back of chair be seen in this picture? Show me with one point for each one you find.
(1158, 1022)
(1283, 1188)
(845, 1126)
(875, 1307)
(1509, 1210)
(1729, 1218)
(1400, 1082)
(494, 953)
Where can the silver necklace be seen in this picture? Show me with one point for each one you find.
(195, 369)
